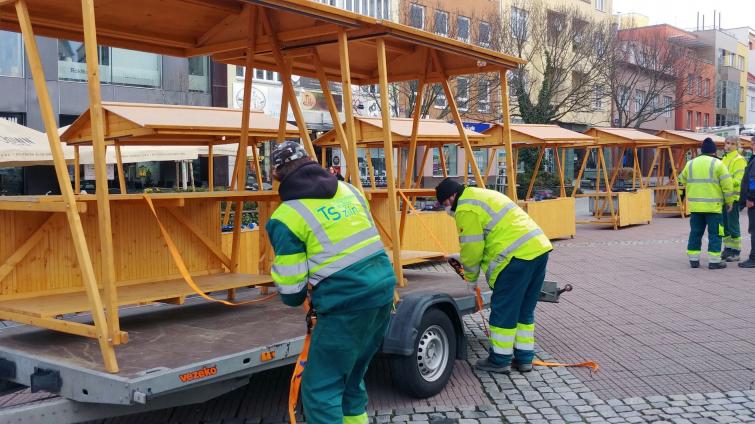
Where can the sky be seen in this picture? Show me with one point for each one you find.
(683, 13)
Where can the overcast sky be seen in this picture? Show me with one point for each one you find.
(683, 13)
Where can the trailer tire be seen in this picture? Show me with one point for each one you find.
(426, 371)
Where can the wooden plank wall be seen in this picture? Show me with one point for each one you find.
(636, 208)
(557, 217)
(140, 251)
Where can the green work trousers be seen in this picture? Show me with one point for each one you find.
(698, 222)
(342, 346)
(732, 234)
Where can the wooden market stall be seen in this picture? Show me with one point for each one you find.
(608, 205)
(95, 269)
(413, 227)
(668, 162)
(557, 217)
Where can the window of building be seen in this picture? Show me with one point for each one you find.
(513, 78)
(689, 119)
(11, 54)
(706, 90)
(483, 94)
(72, 64)
(462, 28)
(519, 23)
(450, 153)
(199, 74)
(481, 159)
(462, 93)
(639, 100)
(654, 103)
(690, 84)
(136, 68)
(752, 104)
(15, 117)
(440, 100)
(667, 106)
(706, 120)
(374, 8)
(441, 23)
(264, 75)
(741, 94)
(556, 24)
(699, 86)
(600, 5)
(417, 16)
(741, 63)
(623, 97)
(598, 97)
(484, 35)
(239, 71)
(578, 28)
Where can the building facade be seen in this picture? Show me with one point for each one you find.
(746, 37)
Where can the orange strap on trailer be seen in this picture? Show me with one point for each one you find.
(594, 367)
(301, 362)
(181, 265)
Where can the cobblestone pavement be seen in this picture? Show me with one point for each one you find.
(674, 344)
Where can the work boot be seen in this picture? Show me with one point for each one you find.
(486, 365)
(733, 256)
(694, 264)
(717, 265)
(750, 263)
(725, 254)
(521, 367)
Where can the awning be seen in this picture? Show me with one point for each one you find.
(23, 146)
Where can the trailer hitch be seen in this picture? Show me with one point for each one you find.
(551, 292)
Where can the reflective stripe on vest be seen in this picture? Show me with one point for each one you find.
(509, 250)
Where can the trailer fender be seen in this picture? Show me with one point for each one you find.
(403, 328)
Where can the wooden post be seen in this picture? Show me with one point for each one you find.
(256, 164)
(121, 173)
(100, 166)
(673, 177)
(535, 172)
(491, 161)
(105, 338)
(210, 168)
(348, 111)
(370, 167)
(421, 171)
(560, 170)
(506, 122)
(388, 147)
(76, 170)
(617, 165)
(581, 172)
(608, 190)
(416, 115)
(352, 168)
(442, 157)
(288, 86)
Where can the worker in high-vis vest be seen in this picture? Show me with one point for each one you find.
(498, 239)
(736, 165)
(324, 237)
(709, 191)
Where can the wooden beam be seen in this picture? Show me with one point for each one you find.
(352, 169)
(105, 338)
(213, 247)
(121, 173)
(443, 166)
(560, 170)
(348, 111)
(97, 123)
(32, 206)
(388, 147)
(370, 168)
(581, 171)
(535, 172)
(415, 125)
(421, 172)
(210, 168)
(21, 251)
(220, 26)
(288, 85)
(263, 42)
(214, 4)
(506, 123)
(76, 170)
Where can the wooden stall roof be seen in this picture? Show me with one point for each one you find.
(151, 124)
(188, 28)
(688, 138)
(624, 137)
(430, 132)
(523, 135)
(747, 141)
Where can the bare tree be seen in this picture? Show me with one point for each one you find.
(566, 60)
(652, 73)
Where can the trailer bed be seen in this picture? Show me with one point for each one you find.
(174, 347)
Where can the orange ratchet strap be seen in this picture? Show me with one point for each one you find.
(178, 260)
(301, 362)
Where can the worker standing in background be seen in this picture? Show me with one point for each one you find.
(499, 239)
(747, 200)
(736, 165)
(708, 189)
(324, 237)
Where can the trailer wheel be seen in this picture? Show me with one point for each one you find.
(426, 372)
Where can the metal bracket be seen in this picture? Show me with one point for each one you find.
(47, 380)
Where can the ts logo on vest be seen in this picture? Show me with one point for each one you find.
(341, 209)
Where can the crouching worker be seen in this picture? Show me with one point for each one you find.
(324, 237)
(499, 239)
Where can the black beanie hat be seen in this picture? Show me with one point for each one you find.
(708, 147)
(446, 189)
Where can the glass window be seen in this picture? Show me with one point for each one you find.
(450, 152)
(598, 97)
(462, 28)
(199, 74)
(689, 119)
(698, 118)
(440, 100)
(72, 64)
(706, 90)
(462, 93)
(441, 23)
(264, 75)
(639, 100)
(11, 54)
(481, 158)
(417, 16)
(667, 106)
(484, 36)
(699, 86)
(623, 97)
(519, 23)
(600, 5)
(706, 120)
(136, 68)
(483, 93)
(690, 84)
